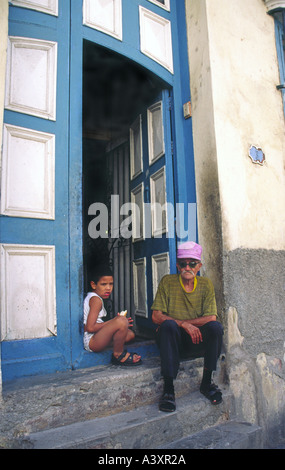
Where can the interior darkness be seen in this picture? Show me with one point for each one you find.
(115, 90)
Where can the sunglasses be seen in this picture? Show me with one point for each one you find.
(191, 264)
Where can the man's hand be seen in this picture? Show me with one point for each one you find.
(192, 331)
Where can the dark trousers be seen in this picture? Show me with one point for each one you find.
(174, 342)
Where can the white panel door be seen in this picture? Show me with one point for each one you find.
(31, 77)
(46, 6)
(28, 162)
(156, 40)
(104, 15)
(27, 292)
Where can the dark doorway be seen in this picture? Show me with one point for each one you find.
(115, 90)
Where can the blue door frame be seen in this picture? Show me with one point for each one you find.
(183, 167)
(38, 356)
(65, 351)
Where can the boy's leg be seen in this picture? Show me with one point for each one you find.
(130, 336)
(114, 331)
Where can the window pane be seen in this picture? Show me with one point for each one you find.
(136, 148)
(163, 3)
(155, 132)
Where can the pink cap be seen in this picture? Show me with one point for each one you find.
(189, 250)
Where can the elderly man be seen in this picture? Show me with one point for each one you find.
(185, 311)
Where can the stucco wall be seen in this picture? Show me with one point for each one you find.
(248, 110)
(233, 77)
(3, 48)
(205, 145)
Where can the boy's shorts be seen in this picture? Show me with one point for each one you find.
(86, 340)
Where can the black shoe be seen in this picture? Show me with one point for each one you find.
(213, 393)
(167, 402)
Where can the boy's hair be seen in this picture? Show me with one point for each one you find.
(99, 272)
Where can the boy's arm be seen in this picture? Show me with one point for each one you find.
(95, 305)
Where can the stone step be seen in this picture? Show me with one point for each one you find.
(229, 435)
(144, 427)
(38, 403)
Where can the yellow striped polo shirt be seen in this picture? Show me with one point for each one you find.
(172, 299)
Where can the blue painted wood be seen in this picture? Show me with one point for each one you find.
(45, 355)
(280, 33)
(75, 188)
(184, 161)
(152, 246)
(280, 37)
(130, 46)
(66, 350)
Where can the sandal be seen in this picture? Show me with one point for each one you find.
(167, 402)
(213, 394)
(129, 362)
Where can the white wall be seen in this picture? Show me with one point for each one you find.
(205, 146)
(248, 110)
(234, 73)
(3, 48)
(233, 77)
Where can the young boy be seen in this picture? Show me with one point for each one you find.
(99, 334)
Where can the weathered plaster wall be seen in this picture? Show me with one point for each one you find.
(3, 49)
(233, 78)
(248, 110)
(234, 73)
(253, 285)
(205, 145)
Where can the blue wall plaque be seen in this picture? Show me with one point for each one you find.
(257, 155)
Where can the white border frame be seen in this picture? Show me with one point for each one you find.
(48, 252)
(155, 260)
(117, 32)
(158, 175)
(51, 76)
(146, 15)
(150, 110)
(134, 192)
(165, 7)
(136, 263)
(48, 211)
(137, 124)
(51, 9)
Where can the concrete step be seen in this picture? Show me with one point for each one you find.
(39, 403)
(229, 435)
(144, 427)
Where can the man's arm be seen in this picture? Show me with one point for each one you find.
(159, 317)
(190, 326)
